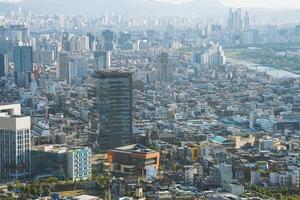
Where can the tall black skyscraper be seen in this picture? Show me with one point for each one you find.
(111, 112)
(3, 65)
(23, 63)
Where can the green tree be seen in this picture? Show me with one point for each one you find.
(280, 196)
(268, 193)
(47, 192)
(40, 190)
(18, 185)
(33, 191)
(2, 191)
(10, 187)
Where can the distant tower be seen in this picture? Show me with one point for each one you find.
(230, 19)
(238, 23)
(165, 70)
(23, 64)
(246, 21)
(107, 40)
(20, 11)
(63, 66)
(65, 41)
(102, 59)
(3, 65)
(77, 70)
(235, 21)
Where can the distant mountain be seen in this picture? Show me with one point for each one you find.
(202, 8)
(127, 7)
(7, 7)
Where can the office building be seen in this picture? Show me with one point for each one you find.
(63, 66)
(79, 163)
(102, 59)
(111, 111)
(107, 40)
(61, 161)
(15, 144)
(23, 61)
(4, 45)
(133, 159)
(77, 70)
(18, 33)
(23, 65)
(3, 65)
(65, 41)
(255, 177)
(165, 69)
(220, 174)
(49, 160)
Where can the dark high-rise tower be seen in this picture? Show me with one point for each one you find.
(23, 63)
(23, 59)
(63, 66)
(3, 65)
(165, 69)
(111, 112)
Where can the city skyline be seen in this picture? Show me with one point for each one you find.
(291, 4)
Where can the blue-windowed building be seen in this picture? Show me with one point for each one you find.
(79, 163)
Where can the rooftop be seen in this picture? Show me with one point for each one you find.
(218, 139)
(137, 148)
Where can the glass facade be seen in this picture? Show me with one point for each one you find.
(111, 112)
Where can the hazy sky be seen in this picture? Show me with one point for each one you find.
(241, 3)
(254, 3)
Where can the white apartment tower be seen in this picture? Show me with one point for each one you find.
(15, 144)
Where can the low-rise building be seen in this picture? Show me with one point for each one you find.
(132, 159)
(79, 163)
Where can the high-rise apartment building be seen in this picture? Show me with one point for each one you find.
(235, 21)
(111, 109)
(63, 66)
(15, 144)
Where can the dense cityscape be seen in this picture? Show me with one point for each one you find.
(119, 107)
